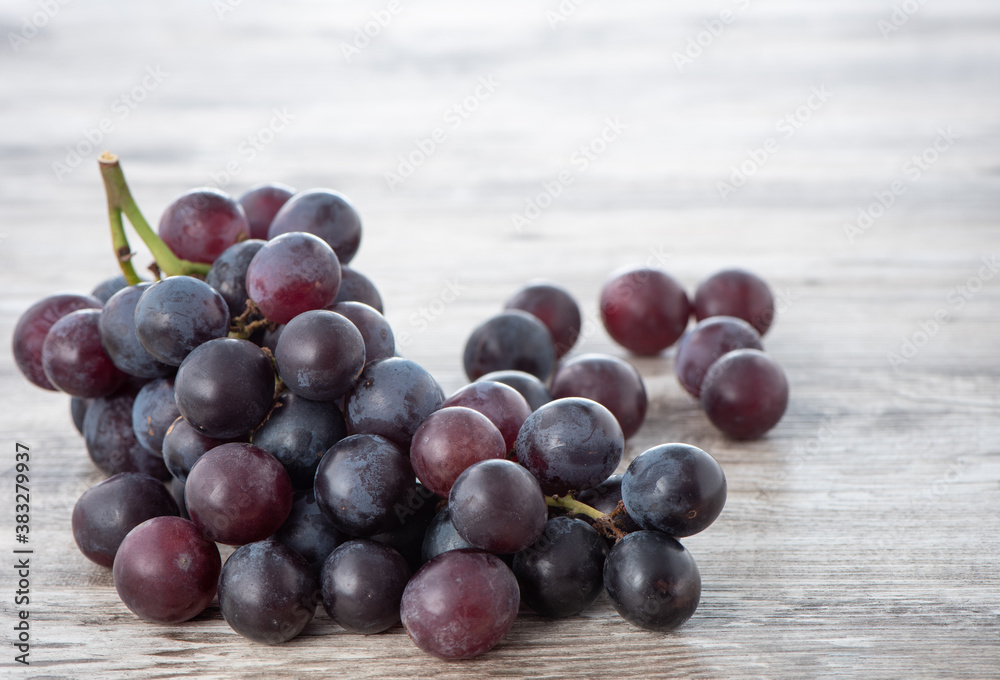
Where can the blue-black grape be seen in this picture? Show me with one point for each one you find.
(362, 585)
(674, 488)
(555, 307)
(110, 438)
(176, 315)
(308, 531)
(531, 388)
(441, 536)
(108, 287)
(414, 519)
(319, 355)
(356, 287)
(513, 340)
(267, 592)
(78, 410)
(380, 343)
(612, 382)
(228, 274)
(153, 412)
(605, 498)
(652, 581)
(118, 335)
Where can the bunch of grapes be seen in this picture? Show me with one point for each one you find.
(253, 398)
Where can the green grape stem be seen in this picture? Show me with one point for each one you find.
(603, 522)
(120, 201)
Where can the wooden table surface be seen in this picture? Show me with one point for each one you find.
(847, 151)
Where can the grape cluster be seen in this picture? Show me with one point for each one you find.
(263, 406)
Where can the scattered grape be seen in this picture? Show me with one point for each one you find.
(739, 293)
(745, 394)
(644, 310)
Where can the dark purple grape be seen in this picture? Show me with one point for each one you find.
(570, 444)
(261, 203)
(363, 583)
(555, 307)
(441, 536)
(414, 517)
(201, 223)
(165, 571)
(78, 411)
(361, 482)
(745, 394)
(107, 511)
(497, 505)
(237, 494)
(450, 440)
(228, 274)
(610, 381)
(380, 343)
(183, 446)
(110, 439)
(652, 581)
(118, 335)
(605, 498)
(308, 531)
(291, 274)
(178, 314)
(735, 292)
(74, 359)
(153, 412)
(177, 491)
(644, 310)
(707, 341)
(225, 387)
(34, 325)
(108, 287)
(267, 592)
(319, 355)
(298, 432)
(356, 287)
(460, 604)
(676, 489)
(502, 404)
(511, 340)
(561, 573)
(531, 388)
(391, 398)
(325, 213)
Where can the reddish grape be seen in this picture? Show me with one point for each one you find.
(707, 341)
(291, 274)
(183, 446)
(555, 307)
(745, 393)
(201, 223)
(74, 359)
(735, 292)
(261, 203)
(644, 310)
(531, 388)
(34, 325)
(502, 404)
(228, 274)
(449, 441)
(325, 213)
(611, 382)
(165, 571)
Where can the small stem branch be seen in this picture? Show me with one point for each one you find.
(120, 201)
(574, 506)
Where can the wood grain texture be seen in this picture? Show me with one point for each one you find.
(861, 537)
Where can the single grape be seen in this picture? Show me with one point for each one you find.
(652, 581)
(183, 446)
(677, 489)
(570, 444)
(605, 498)
(78, 411)
(261, 203)
(531, 388)
(237, 494)
(201, 223)
(745, 393)
(497, 505)
(561, 573)
(298, 432)
(441, 536)
(460, 604)
(176, 315)
(356, 287)
(363, 583)
(308, 531)
(165, 571)
(611, 382)
(391, 398)
(119, 338)
(74, 359)
(34, 325)
(228, 274)
(707, 341)
(107, 511)
(450, 440)
(291, 274)
(325, 213)
(511, 340)
(644, 310)
(319, 355)
(735, 292)
(502, 404)
(108, 287)
(555, 307)
(361, 484)
(225, 387)
(267, 592)
(380, 343)
(153, 412)
(110, 438)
